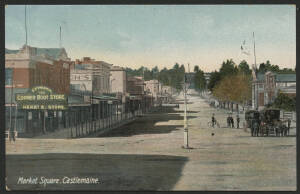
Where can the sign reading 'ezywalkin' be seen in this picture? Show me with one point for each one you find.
(41, 98)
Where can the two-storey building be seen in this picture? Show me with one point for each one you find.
(266, 86)
(29, 67)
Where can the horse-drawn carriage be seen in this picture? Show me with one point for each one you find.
(250, 116)
(266, 122)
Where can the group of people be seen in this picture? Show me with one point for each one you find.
(255, 124)
(230, 121)
(283, 127)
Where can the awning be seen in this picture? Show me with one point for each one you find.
(105, 98)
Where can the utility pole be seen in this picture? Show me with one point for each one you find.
(254, 72)
(11, 97)
(254, 51)
(25, 25)
(59, 36)
(16, 114)
(185, 129)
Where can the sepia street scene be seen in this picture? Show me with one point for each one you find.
(150, 98)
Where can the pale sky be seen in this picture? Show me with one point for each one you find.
(150, 35)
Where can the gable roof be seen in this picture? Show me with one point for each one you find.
(52, 52)
(8, 51)
(291, 77)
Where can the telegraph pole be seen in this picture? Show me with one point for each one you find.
(60, 37)
(254, 51)
(26, 25)
(254, 72)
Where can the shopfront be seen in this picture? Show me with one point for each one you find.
(41, 110)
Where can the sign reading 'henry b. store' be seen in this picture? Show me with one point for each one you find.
(41, 98)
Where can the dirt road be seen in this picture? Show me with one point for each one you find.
(147, 155)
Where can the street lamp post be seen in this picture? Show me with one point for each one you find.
(185, 129)
(10, 110)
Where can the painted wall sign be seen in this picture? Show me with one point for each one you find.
(81, 77)
(41, 98)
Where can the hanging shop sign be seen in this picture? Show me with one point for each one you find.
(41, 98)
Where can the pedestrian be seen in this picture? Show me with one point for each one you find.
(12, 136)
(228, 121)
(237, 121)
(232, 122)
(245, 126)
(288, 127)
(255, 127)
(213, 120)
(252, 127)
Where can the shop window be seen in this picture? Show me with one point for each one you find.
(8, 76)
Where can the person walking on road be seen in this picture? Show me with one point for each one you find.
(254, 127)
(12, 136)
(213, 120)
(232, 121)
(228, 121)
(288, 127)
(237, 121)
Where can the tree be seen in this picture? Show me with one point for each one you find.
(147, 75)
(244, 67)
(164, 77)
(215, 77)
(155, 72)
(264, 67)
(196, 68)
(176, 66)
(284, 102)
(234, 88)
(228, 68)
(199, 79)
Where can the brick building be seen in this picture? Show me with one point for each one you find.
(266, 86)
(29, 67)
(32, 66)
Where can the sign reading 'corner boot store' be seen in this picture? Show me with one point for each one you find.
(41, 98)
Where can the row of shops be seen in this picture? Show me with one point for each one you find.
(32, 117)
(46, 91)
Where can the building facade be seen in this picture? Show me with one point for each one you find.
(275, 83)
(118, 80)
(30, 67)
(167, 90)
(135, 86)
(266, 87)
(153, 87)
(88, 75)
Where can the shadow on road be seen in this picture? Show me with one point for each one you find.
(115, 172)
(147, 124)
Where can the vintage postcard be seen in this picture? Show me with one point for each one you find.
(150, 97)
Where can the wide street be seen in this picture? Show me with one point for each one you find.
(147, 155)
